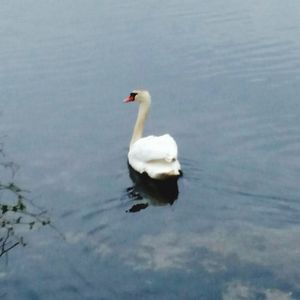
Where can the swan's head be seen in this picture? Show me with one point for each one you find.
(140, 96)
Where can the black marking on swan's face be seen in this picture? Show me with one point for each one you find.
(132, 95)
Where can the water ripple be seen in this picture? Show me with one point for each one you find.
(248, 56)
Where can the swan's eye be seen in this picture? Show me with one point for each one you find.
(132, 96)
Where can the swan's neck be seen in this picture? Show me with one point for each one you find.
(140, 122)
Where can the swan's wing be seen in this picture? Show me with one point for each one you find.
(153, 148)
(155, 155)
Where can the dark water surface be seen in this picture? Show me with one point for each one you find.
(225, 82)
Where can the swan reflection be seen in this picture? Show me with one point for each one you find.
(147, 191)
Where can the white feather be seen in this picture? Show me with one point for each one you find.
(155, 155)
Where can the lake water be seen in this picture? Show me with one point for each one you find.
(225, 82)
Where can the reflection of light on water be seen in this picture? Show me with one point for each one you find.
(147, 191)
(239, 290)
(222, 251)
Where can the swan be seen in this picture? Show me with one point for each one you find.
(154, 155)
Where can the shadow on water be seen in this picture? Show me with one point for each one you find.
(18, 214)
(147, 191)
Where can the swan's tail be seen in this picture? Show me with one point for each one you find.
(160, 169)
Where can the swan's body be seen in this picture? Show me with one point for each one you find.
(154, 155)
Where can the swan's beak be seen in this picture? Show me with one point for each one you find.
(128, 99)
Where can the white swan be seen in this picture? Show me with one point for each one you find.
(154, 155)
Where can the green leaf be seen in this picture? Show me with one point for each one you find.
(4, 208)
